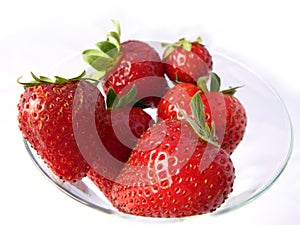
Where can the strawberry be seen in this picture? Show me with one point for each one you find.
(179, 95)
(49, 113)
(119, 131)
(222, 108)
(128, 63)
(187, 61)
(173, 173)
(122, 128)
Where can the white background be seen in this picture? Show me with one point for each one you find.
(35, 35)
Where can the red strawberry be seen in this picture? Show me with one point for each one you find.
(229, 117)
(121, 129)
(119, 132)
(128, 63)
(222, 108)
(179, 95)
(46, 113)
(173, 173)
(187, 61)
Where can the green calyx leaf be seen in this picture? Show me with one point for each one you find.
(199, 40)
(114, 102)
(201, 84)
(108, 48)
(107, 54)
(198, 109)
(117, 27)
(168, 51)
(198, 123)
(114, 37)
(215, 82)
(170, 47)
(231, 90)
(43, 79)
(185, 44)
(37, 80)
(99, 60)
(111, 98)
(215, 85)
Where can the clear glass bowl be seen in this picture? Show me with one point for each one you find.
(259, 159)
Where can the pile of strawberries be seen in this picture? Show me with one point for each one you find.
(174, 162)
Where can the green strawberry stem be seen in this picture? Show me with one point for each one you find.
(45, 80)
(186, 44)
(108, 52)
(215, 82)
(231, 90)
(201, 84)
(215, 85)
(198, 123)
(129, 99)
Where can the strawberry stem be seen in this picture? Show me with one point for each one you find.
(201, 84)
(215, 82)
(215, 85)
(182, 42)
(198, 123)
(231, 90)
(107, 54)
(46, 80)
(114, 102)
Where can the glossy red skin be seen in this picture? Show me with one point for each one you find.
(137, 61)
(103, 183)
(229, 116)
(225, 110)
(188, 66)
(121, 129)
(172, 173)
(181, 95)
(45, 115)
(119, 133)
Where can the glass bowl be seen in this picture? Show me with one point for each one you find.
(259, 159)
